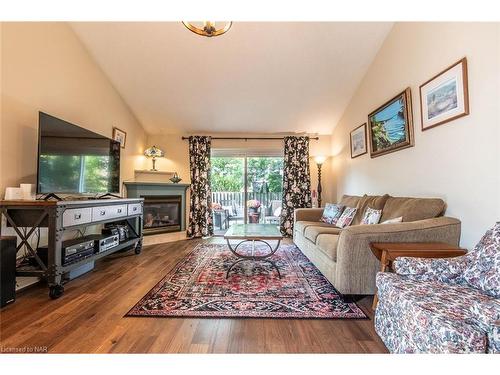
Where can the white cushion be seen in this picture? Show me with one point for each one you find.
(392, 221)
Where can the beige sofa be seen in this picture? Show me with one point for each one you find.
(344, 255)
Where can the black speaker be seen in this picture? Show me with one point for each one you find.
(7, 270)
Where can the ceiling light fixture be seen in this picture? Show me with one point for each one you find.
(207, 28)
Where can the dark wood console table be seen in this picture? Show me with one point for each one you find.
(26, 216)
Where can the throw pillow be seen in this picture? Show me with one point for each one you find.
(347, 217)
(374, 201)
(372, 216)
(277, 212)
(331, 213)
(483, 271)
(392, 221)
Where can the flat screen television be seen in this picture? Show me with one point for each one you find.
(73, 160)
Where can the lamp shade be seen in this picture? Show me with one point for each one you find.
(320, 159)
(154, 152)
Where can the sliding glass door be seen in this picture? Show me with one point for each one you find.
(245, 189)
(264, 189)
(227, 178)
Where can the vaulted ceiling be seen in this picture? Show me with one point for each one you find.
(258, 78)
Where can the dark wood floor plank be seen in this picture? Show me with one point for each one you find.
(89, 317)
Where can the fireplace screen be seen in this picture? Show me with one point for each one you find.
(162, 214)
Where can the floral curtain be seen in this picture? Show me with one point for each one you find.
(296, 181)
(200, 208)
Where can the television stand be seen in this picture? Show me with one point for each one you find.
(49, 196)
(110, 195)
(61, 217)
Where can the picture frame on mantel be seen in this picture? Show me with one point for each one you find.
(119, 136)
(358, 141)
(390, 126)
(445, 97)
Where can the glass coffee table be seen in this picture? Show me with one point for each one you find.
(253, 233)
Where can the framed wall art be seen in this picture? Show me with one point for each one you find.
(390, 127)
(120, 136)
(358, 141)
(445, 97)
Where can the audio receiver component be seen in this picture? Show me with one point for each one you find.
(121, 230)
(76, 249)
(104, 242)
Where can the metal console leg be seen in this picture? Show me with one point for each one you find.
(54, 271)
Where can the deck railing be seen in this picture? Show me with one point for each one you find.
(236, 199)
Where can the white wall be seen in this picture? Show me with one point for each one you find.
(458, 161)
(45, 67)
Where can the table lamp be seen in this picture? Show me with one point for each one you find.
(154, 152)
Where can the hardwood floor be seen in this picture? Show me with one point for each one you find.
(88, 318)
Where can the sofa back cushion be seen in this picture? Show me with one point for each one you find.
(349, 200)
(483, 270)
(376, 202)
(412, 209)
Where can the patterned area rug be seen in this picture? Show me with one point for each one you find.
(197, 287)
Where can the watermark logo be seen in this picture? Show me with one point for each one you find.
(24, 349)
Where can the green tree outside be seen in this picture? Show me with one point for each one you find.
(227, 174)
(264, 174)
(265, 171)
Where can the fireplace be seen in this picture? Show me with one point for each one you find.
(161, 199)
(162, 213)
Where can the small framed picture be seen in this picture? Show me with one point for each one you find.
(445, 97)
(120, 136)
(390, 127)
(358, 141)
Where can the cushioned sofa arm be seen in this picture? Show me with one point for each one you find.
(412, 266)
(308, 214)
(356, 265)
(444, 269)
(419, 225)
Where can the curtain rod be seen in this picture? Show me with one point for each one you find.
(253, 138)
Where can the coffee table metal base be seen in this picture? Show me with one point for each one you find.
(255, 258)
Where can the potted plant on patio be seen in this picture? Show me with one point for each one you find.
(253, 206)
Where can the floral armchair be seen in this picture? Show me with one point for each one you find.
(443, 305)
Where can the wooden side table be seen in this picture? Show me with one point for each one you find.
(389, 251)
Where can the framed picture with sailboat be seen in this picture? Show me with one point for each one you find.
(390, 126)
